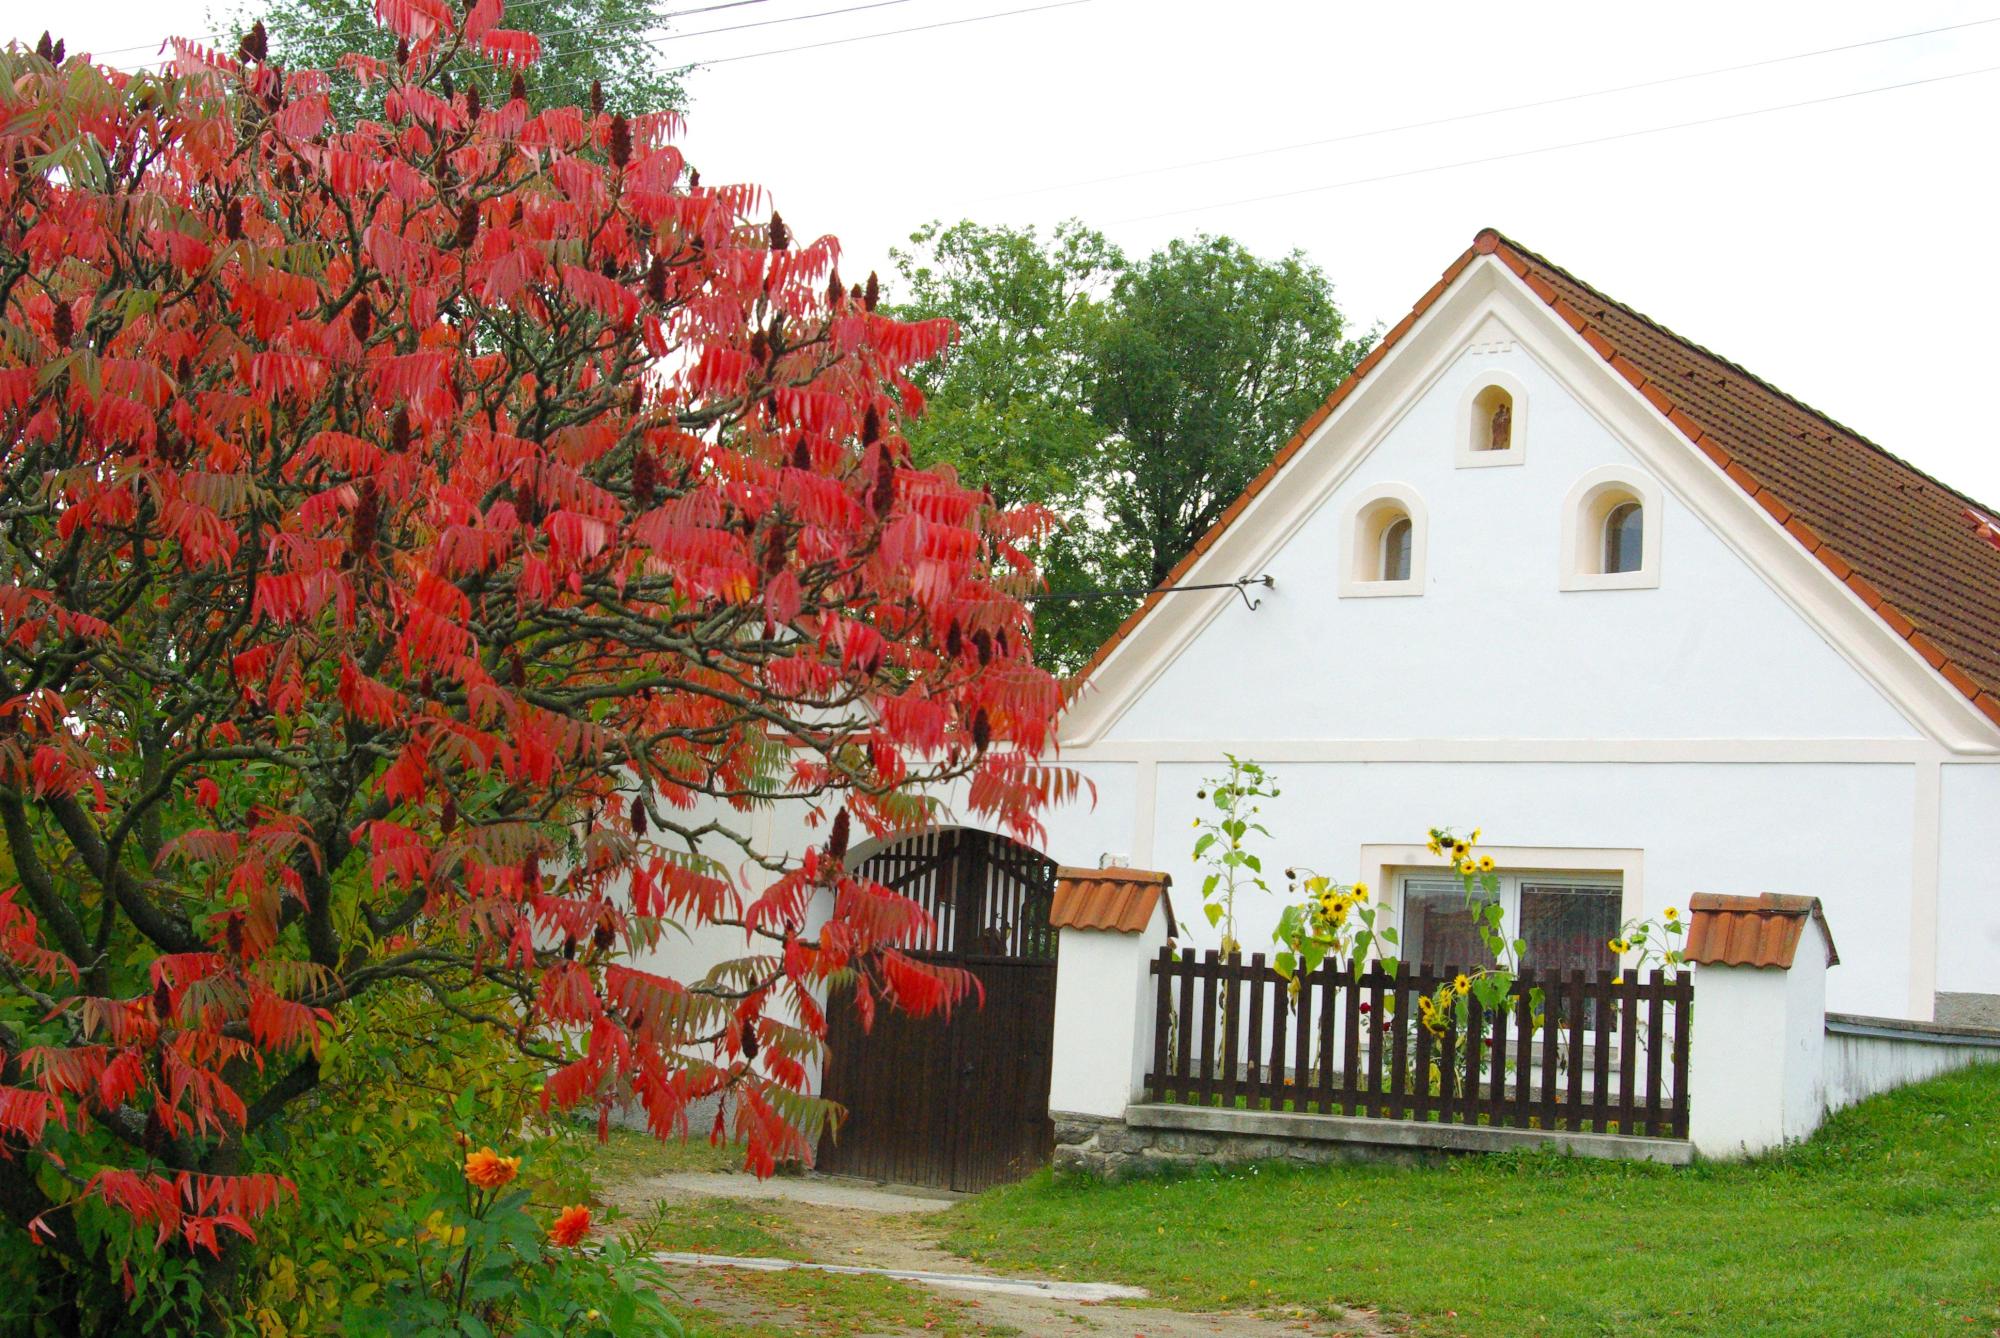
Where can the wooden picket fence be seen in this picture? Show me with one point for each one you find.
(1609, 1056)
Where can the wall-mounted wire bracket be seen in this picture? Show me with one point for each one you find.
(1241, 586)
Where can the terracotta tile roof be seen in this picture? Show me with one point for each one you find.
(1751, 931)
(1921, 555)
(1118, 899)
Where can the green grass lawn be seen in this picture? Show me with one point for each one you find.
(1886, 1223)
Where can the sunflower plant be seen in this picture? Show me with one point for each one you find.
(1334, 920)
(1651, 942)
(1338, 920)
(1231, 867)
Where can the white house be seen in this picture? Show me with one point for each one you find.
(1545, 568)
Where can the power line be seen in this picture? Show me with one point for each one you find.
(895, 33)
(658, 42)
(1454, 119)
(1553, 148)
(866, 37)
(648, 21)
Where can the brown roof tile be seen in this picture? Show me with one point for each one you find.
(1116, 899)
(1751, 931)
(1922, 555)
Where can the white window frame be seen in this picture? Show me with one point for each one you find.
(1383, 868)
(1584, 510)
(1509, 896)
(1368, 518)
(1471, 457)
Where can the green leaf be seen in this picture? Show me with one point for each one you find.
(1214, 913)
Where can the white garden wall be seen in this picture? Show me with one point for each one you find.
(1863, 1057)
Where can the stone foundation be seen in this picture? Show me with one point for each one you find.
(1154, 1138)
(1114, 1150)
(1969, 1010)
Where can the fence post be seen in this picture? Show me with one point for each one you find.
(1113, 923)
(1756, 1076)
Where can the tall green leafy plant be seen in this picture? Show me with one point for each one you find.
(1232, 868)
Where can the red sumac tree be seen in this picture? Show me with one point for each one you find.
(421, 548)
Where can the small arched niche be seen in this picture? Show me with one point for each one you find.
(1387, 532)
(1611, 532)
(1493, 422)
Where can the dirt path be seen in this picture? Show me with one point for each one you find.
(834, 1222)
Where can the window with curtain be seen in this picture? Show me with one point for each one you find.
(1567, 920)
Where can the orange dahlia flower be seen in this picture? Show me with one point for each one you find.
(487, 1169)
(572, 1224)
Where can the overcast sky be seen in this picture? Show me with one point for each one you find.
(1840, 249)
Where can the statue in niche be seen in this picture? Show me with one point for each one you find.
(1503, 427)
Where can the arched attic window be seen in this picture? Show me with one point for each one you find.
(1386, 532)
(1396, 537)
(1611, 532)
(1624, 537)
(1493, 421)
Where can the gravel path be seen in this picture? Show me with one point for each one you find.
(839, 1222)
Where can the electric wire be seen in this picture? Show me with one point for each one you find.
(559, 33)
(1555, 148)
(1458, 117)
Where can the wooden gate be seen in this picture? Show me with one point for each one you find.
(958, 1104)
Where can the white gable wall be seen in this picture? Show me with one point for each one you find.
(1494, 648)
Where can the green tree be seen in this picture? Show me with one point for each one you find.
(1009, 404)
(1207, 362)
(1134, 401)
(583, 41)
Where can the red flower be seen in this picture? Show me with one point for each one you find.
(572, 1224)
(1367, 1008)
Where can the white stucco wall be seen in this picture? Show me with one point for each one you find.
(1969, 879)
(1104, 1018)
(1756, 1061)
(1494, 648)
(1859, 1066)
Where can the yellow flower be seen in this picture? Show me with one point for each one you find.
(1672, 913)
(1468, 865)
(1486, 864)
(1619, 946)
(1461, 984)
(1618, 979)
(1436, 849)
(1458, 849)
(1475, 836)
(1361, 891)
(1424, 1005)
